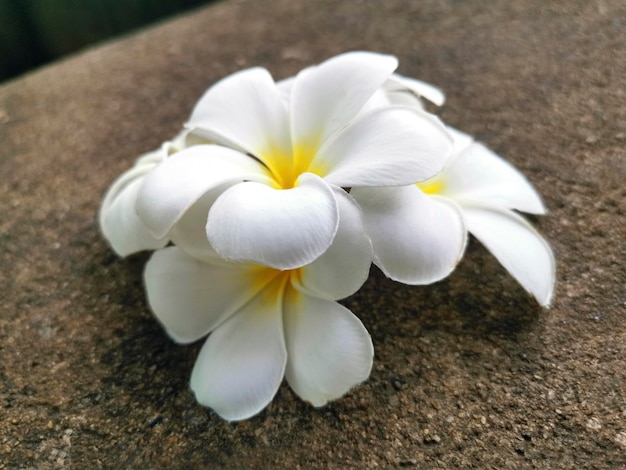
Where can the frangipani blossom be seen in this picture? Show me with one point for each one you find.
(275, 201)
(482, 191)
(266, 324)
(272, 175)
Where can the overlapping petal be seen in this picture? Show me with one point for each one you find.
(244, 111)
(283, 229)
(478, 175)
(409, 91)
(460, 141)
(242, 363)
(345, 266)
(191, 297)
(517, 246)
(329, 349)
(189, 233)
(324, 98)
(389, 146)
(121, 226)
(172, 187)
(417, 239)
(118, 219)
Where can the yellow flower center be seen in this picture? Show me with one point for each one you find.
(285, 168)
(432, 186)
(273, 285)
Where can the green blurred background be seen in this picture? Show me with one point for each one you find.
(33, 32)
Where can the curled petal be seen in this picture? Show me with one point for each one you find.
(189, 233)
(144, 164)
(123, 229)
(344, 267)
(478, 175)
(325, 97)
(409, 91)
(417, 239)
(242, 364)
(517, 246)
(118, 219)
(379, 99)
(173, 186)
(244, 111)
(190, 297)
(283, 229)
(184, 139)
(386, 147)
(329, 349)
(460, 142)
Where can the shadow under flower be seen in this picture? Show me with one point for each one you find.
(479, 299)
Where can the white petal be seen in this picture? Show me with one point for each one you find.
(245, 111)
(284, 88)
(184, 139)
(329, 349)
(190, 297)
(518, 247)
(118, 218)
(345, 266)
(387, 147)
(460, 141)
(405, 90)
(478, 175)
(284, 229)
(178, 143)
(144, 164)
(189, 233)
(151, 159)
(119, 222)
(242, 364)
(324, 98)
(378, 100)
(173, 186)
(417, 239)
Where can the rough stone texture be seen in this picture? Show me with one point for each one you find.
(469, 373)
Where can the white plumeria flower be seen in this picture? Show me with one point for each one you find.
(415, 226)
(266, 324)
(118, 218)
(268, 190)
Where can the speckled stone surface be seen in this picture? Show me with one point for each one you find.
(469, 373)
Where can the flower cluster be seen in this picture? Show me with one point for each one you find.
(275, 199)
